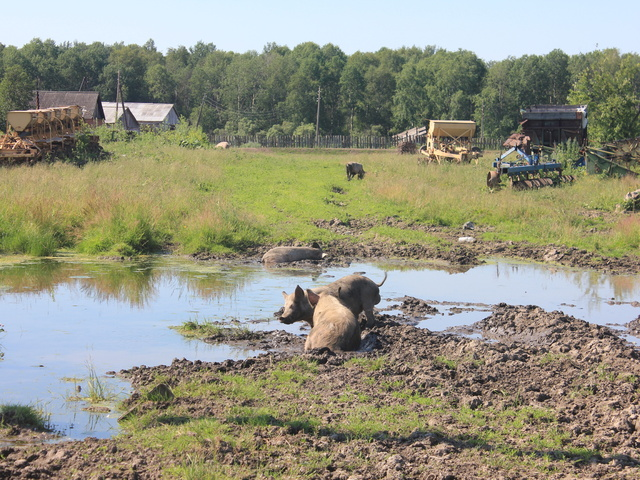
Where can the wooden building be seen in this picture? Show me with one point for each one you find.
(126, 118)
(154, 115)
(90, 102)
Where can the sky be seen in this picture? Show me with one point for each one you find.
(493, 30)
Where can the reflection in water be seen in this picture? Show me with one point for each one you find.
(134, 283)
(60, 314)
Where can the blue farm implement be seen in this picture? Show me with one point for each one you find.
(527, 170)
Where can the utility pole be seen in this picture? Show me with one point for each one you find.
(119, 94)
(200, 111)
(318, 119)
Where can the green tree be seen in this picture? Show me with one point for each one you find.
(16, 91)
(80, 66)
(352, 88)
(317, 74)
(41, 58)
(160, 84)
(131, 62)
(199, 89)
(610, 86)
(411, 105)
(496, 106)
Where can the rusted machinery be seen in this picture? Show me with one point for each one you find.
(450, 140)
(615, 158)
(35, 134)
(526, 166)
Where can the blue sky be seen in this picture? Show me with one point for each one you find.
(493, 30)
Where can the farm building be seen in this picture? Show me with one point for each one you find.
(154, 115)
(126, 118)
(554, 124)
(90, 102)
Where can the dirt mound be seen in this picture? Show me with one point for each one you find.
(542, 395)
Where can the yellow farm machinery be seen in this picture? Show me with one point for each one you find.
(450, 140)
(35, 134)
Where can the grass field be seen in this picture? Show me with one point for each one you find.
(152, 197)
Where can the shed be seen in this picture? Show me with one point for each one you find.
(154, 115)
(551, 125)
(90, 102)
(126, 118)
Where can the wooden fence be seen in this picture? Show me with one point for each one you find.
(336, 141)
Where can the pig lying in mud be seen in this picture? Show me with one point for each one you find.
(357, 292)
(334, 326)
(293, 254)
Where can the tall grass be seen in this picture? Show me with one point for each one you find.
(152, 196)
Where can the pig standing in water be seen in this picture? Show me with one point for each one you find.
(334, 326)
(357, 292)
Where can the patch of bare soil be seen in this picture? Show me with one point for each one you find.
(451, 250)
(471, 253)
(504, 371)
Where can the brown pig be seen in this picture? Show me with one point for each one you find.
(334, 325)
(357, 292)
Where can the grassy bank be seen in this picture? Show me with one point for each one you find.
(150, 197)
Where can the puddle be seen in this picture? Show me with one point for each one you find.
(66, 318)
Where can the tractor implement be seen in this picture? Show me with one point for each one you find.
(33, 135)
(527, 172)
(450, 141)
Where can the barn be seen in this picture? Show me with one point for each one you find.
(154, 115)
(126, 118)
(90, 102)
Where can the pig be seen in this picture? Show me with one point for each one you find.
(334, 325)
(293, 254)
(353, 169)
(357, 292)
(223, 145)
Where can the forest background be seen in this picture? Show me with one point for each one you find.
(276, 91)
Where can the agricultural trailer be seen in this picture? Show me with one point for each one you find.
(450, 140)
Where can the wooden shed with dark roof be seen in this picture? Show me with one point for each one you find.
(91, 103)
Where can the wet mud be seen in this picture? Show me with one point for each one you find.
(523, 393)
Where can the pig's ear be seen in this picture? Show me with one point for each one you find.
(299, 292)
(313, 297)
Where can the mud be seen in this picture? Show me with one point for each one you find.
(450, 250)
(524, 393)
(584, 377)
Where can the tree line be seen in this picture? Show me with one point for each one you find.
(291, 91)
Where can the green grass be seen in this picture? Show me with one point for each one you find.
(208, 328)
(154, 196)
(282, 401)
(97, 391)
(24, 416)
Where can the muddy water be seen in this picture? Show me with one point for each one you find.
(67, 319)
